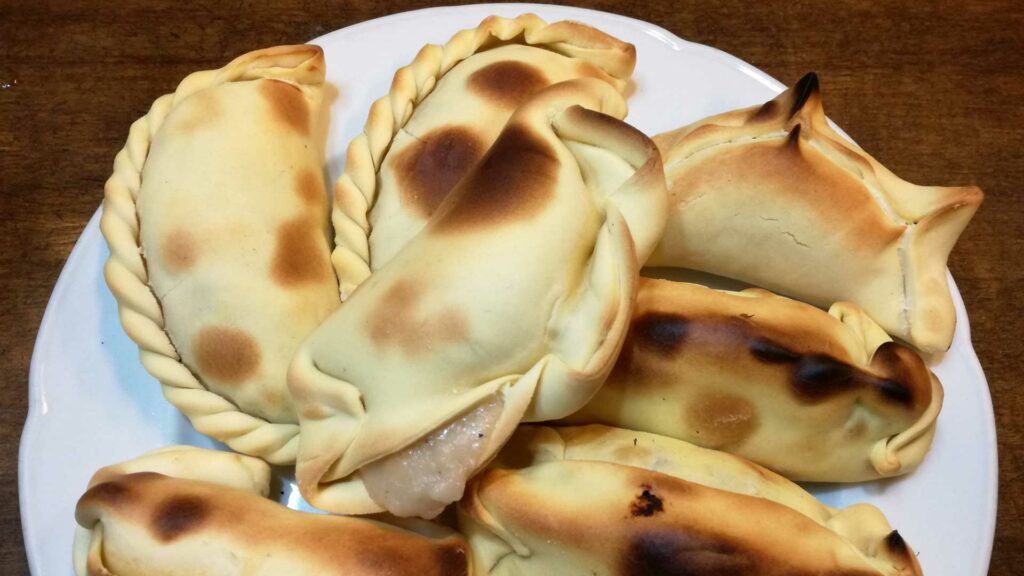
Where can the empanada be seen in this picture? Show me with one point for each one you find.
(511, 304)
(814, 396)
(604, 501)
(217, 223)
(773, 196)
(184, 510)
(441, 115)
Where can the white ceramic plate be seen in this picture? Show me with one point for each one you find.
(92, 404)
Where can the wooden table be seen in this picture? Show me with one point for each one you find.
(934, 92)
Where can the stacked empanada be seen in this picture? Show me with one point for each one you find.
(510, 305)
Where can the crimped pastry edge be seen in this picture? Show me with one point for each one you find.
(356, 189)
(126, 275)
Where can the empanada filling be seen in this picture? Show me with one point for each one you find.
(423, 478)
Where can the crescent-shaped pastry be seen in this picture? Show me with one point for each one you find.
(217, 221)
(511, 304)
(185, 510)
(815, 396)
(606, 501)
(441, 115)
(773, 196)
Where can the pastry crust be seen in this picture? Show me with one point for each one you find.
(814, 396)
(518, 292)
(607, 501)
(773, 196)
(441, 114)
(185, 510)
(216, 219)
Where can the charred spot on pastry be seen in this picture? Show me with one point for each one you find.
(895, 392)
(902, 368)
(675, 552)
(287, 103)
(793, 140)
(721, 420)
(299, 254)
(110, 493)
(386, 322)
(180, 250)
(177, 516)
(514, 181)
(399, 321)
(647, 503)
(452, 561)
(818, 376)
(771, 353)
(507, 83)
(431, 166)
(767, 110)
(310, 187)
(659, 332)
(228, 355)
(896, 543)
(802, 91)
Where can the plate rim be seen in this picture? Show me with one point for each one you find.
(36, 399)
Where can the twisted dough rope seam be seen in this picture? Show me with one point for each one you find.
(126, 275)
(356, 189)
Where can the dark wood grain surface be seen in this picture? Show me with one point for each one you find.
(933, 90)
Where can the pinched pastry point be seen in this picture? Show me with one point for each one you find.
(773, 196)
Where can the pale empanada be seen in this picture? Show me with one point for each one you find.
(773, 196)
(216, 218)
(185, 510)
(815, 396)
(605, 501)
(511, 304)
(441, 115)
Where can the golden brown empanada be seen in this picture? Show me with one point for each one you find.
(441, 115)
(185, 510)
(773, 196)
(216, 219)
(511, 304)
(815, 396)
(606, 501)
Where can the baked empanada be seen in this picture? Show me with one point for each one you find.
(441, 115)
(605, 501)
(773, 196)
(217, 223)
(510, 305)
(184, 510)
(815, 396)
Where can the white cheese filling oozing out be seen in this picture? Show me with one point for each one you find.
(421, 479)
